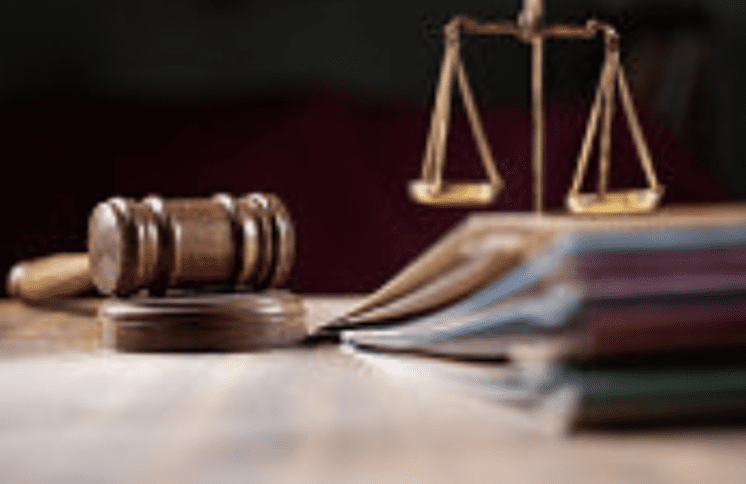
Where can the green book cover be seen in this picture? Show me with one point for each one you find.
(616, 393)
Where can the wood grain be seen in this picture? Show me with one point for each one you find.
(314, 415)
(51, 277)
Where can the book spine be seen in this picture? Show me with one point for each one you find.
(616, 275)
(667, 324)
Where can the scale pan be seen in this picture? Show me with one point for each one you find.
(459, 194)
(630, 201)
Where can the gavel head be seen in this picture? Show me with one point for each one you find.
(221, 241)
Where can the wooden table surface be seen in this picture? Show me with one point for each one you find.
(74, 410)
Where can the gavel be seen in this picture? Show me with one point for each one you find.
(157, 244)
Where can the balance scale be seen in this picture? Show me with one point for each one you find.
(432, 189)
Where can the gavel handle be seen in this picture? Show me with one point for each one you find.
(52, 277)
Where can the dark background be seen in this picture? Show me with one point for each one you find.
(326, 103)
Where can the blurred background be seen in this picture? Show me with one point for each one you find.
(326, 103)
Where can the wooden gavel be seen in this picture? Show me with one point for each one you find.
(156, 244)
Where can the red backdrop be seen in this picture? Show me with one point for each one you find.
(341, 163)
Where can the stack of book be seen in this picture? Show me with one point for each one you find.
(630, 319)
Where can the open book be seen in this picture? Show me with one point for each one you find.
(610, 293)
(486, 249)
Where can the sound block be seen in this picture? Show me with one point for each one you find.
(205, 322)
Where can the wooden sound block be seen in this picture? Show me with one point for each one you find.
(209, 322)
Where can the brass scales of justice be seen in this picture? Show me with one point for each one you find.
(432, 189)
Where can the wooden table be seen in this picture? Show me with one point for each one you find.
(72, 410)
